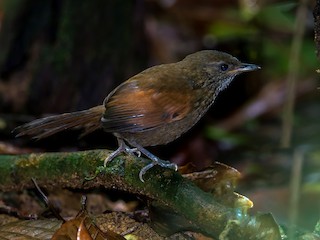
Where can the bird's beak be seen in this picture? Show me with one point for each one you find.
(246, 67)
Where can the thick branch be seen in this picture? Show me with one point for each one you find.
(53, 170)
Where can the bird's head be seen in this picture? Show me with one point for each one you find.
(215, 68)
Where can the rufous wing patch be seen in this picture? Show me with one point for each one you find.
(136, 109)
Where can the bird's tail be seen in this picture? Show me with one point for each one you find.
(88, 119)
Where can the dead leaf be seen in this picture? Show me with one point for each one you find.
(29, 229)
(83, 228)
(219, 179)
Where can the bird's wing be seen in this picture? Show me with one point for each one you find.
(135, 107)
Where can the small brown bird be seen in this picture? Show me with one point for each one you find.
(153, 107)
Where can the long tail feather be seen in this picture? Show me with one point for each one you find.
(88, 119)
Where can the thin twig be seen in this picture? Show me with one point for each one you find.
(295, 187)
(293, 71)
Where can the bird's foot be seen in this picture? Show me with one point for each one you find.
(138, 150)
(122, 148)
(155, 161)
(132, 151)
(112, 156)
(162, 163)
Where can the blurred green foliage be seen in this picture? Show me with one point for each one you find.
(226, 137)
(272, 27)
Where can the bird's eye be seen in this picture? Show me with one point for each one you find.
(224, 67)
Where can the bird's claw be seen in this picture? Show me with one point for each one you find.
(122, 148)
(133, 151)
(111, 156)
(164, 164)
(138, 150)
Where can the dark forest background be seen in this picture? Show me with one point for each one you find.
(61, 55)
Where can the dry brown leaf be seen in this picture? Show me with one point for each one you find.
(83, 228)
(29, 229)
(83, 233)
(219, 178)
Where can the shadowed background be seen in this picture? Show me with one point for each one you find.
(59, 56)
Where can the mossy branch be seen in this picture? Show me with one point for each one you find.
(70, 170)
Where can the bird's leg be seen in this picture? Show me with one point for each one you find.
(155, 161)
(122, 148)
